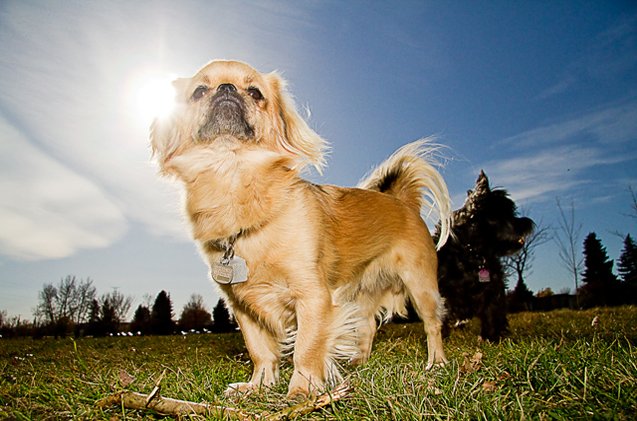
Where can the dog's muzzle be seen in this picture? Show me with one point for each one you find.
(226, 116)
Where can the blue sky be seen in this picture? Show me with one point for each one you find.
(542, 95)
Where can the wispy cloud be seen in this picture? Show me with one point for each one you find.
(559, 87)
(47, 210)
(557, 158)
(541, 175)
(615, 123)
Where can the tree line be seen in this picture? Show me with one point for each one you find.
(596, 284)
(158, 319)
(72, 308)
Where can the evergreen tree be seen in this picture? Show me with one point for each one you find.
(194, 314)
(627, 264)
(601, 286)
(161, 316)
(109, 321)
(93, 327)
(521, 298)
(627, 269)
(141, 320)
(222, 322)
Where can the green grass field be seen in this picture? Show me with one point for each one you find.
(554, 365)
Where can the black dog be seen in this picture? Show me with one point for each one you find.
(470, 274)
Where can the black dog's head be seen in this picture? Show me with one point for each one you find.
(489, 219)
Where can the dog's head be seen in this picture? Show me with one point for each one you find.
(228, 106)
(489, 219)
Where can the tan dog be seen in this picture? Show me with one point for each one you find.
(300, 264)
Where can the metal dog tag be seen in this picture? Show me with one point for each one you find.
(484, 276)
(233, 272)
(240, 269)
(222, 274)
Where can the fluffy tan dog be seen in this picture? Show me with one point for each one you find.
(302, 266)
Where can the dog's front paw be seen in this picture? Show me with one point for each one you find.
(302, 387)
(439, 361)
(359, 359)
(297, 395)
(434, 365)
(237, 389)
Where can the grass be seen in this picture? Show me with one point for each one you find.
(554, 365)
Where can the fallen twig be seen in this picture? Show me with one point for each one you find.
(169, 406)
(155, 392)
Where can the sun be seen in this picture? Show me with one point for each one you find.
(154, 97)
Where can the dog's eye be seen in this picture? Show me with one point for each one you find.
(255, 93)
(199, 92)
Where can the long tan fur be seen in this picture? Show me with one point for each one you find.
(324, 261)
(409, 176)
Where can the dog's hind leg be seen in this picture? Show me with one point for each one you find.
(366, 332)
(422, 285)
(492, 312)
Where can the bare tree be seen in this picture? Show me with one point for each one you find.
(194, 314)
(85, 293)
(74, 298)
(568, 240)
(47, 305)
(69, 300)
(66, 295)
(120, 303)
(522, 261)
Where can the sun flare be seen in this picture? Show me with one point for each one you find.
(155, 97)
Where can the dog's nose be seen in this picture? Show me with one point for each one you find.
(226, 87)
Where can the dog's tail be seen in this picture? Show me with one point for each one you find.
(409, 175)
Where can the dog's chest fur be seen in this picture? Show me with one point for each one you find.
(236, 193)
(258, 199)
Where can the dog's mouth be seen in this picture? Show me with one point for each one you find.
(523, 228)
(226, 117)
(512, 246)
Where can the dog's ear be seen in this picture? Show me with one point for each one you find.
(482, 184)
(473, 196)
(294, 136)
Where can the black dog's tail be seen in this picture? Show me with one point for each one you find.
(410, 176)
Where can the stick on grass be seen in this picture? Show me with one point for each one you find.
(169, 406)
